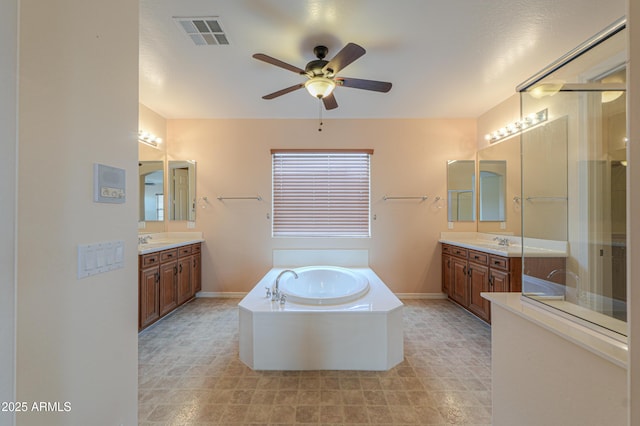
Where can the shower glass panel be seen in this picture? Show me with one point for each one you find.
(574, 184)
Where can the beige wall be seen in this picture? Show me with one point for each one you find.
(76, 339)
(8, 151)
(233, 159)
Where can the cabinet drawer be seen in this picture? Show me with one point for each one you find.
(459, 251)
(478, 257)
(168, 255)
(196, 248)
(454, 250)
(150, 259)
(185, 250)
(499, 262)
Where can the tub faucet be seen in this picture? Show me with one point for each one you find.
(275, 294)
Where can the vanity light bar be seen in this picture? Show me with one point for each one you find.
(519, 126)
(149, 138)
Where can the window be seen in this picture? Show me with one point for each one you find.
(321, 193)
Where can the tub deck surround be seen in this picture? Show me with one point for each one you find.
(167, 240)
(362, 334)
(485, 242)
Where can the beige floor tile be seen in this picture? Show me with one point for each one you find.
(190, 374)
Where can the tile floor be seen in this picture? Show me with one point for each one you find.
(190, 374)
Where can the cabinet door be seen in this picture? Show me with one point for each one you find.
(149, 309)
(185, 290)
(478, 283)
(196, 273)
(459, 290)
(499, 281)
(446, 274)
(168, 287)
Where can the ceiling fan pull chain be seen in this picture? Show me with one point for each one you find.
(320, 109)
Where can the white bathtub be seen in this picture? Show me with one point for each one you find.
(358, 330)
(323, 285)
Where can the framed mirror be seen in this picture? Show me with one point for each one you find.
(151, 174)
(461, 193)
(182, 190)
(492, 190)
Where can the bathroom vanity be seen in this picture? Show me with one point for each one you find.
(474, 263)
(170, 275)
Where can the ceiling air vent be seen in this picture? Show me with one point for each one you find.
(203, 31)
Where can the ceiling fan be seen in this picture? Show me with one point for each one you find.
(322, 74)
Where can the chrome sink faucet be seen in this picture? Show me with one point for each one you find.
(144, 239)
(275, 294)
(502, 241)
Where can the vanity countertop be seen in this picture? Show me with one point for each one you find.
(487, 243)
(167, 240)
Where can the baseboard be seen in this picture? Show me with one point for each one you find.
(240, 295)
(222, 295)
(421, 295)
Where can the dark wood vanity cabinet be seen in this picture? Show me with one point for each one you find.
(466, 273)
(167, 279)
(148, 298)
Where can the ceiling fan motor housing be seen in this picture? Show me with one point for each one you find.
(314, 68)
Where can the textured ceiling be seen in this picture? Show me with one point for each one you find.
(445, 58)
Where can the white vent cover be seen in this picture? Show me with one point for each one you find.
(204, 30)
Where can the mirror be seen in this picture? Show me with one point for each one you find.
(151, 175)
(492, 194)
(500, 207)
(182, 190)
(461, 184)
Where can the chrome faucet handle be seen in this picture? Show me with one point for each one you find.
(268, 292)
(283, 299)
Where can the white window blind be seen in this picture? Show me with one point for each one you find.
(321, 194)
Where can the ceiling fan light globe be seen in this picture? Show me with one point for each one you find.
(319, 87)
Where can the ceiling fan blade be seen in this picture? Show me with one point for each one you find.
(330, 102)
(283, 91)
(358, 83)
(277, 62)
(347, 55)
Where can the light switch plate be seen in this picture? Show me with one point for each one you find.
(100, 257)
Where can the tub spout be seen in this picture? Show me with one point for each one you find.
(275, 294)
